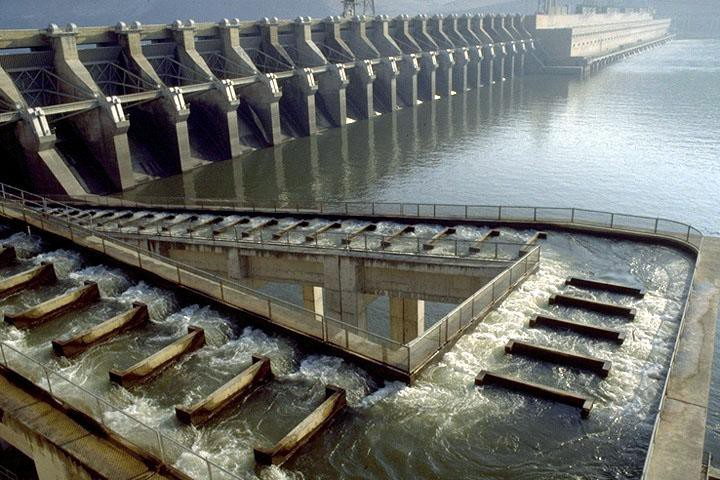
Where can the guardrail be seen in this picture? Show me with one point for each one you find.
(486, 251)
(32, 209)
(116, 421)
(658, 227)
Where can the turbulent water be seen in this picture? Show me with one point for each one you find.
(443, 427)
(640, 137)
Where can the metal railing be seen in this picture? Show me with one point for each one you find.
(6, 474)
(578, 217)
(468, 250)
(142, 436)
(32, 209)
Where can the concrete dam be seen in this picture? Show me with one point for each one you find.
(98, 109)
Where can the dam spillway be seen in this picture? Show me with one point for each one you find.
(97, 109)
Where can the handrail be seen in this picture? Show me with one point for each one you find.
(657, 227)
(23, 199)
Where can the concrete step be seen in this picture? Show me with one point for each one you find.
(597, 365)
(577, 327)
(537, 390)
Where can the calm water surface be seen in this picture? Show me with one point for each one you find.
(641, 137)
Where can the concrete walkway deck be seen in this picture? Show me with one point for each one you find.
(62, 448)
(676, 451)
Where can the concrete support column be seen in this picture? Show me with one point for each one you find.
(360, 89)
(343, 288)
(170, 113)
(446, 65)
(403, 36)
(47, 171)
(307, 52)
(104, 129)
(299, 99)
(381, 39)
(332, 86)
(313, 299)
(358, 40)
(427, 81)
(263, 97)
(337, 49)
(270, 43)
(460, 70)
(385, 87)
(219, 106)
(474, 68)
(407, 82)
(407, 319)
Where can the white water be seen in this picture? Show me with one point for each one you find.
(443, 427)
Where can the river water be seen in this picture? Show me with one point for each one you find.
(640, 137)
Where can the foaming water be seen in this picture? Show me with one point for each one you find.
(443, 426)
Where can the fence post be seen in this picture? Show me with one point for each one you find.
(572, 216)
(612, 220)
(161, 450)
(688, 234)
(657, 220)
(499, 217)
(47, 377)
(2, 351)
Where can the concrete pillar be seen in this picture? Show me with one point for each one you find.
(467, 52)
(446, 64)
(510, 44)
(407, 319)
(104, 129)
(381, 39)
(219, 106)
(270, 43)
(453, 63)
(427, 87)
(170, 113)
(307, 53)
(407, 81)
(47, 171)
(403, 35)
(500, 51)
(475, 51)
(332, 86)
(337, 50)
(358, 40)
(342, 290)
(360, 89)
(313, 299)
(385, 87)
(488, 49)
(299, 100)
(262, 96)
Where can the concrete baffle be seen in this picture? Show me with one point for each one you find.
(230, 393)
(335, 402)
(42, 275)
(129, 320)
(71, 301)
(407, 319)
(104, 129)
(147, 369)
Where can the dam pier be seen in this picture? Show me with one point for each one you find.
(97, 109)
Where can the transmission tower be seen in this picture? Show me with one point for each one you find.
(358, 7)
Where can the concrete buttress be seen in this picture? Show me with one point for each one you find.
(170, 112)
(218, 106)
(103, 129)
